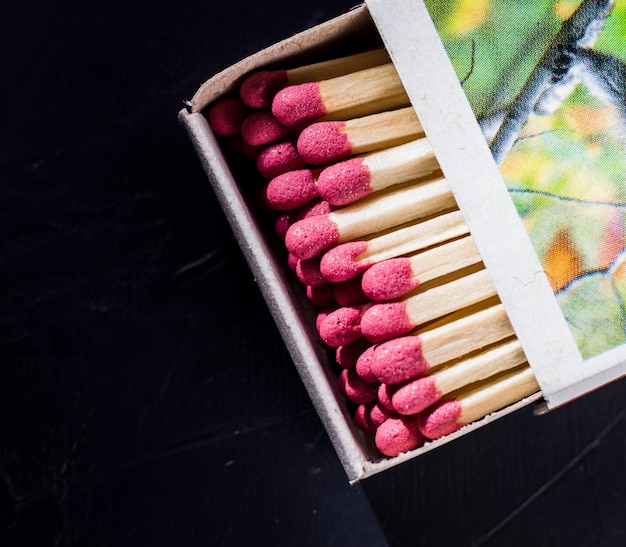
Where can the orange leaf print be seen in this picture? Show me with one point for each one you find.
(562, 261)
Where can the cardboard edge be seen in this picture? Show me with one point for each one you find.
(305, 351)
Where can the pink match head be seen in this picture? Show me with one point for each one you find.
(349, 293)
(320, 295)
(342, 326)
(262, 128)
(345, 182)
(415, 396)
(313, 209)
(355, 388)
(363, 366)
(399, 360)
(362, 419)
(308, 271)
(226, 116)
(348, 355)
(311, 236)
(323, 314)
(324, 142)
(281, 225)
(340, 263)
(258, 89)
(291, 190)
(389, 279)
(298, 104)
(442, 420)
(379, 414)
(385, 321)
(292, 262)
(279, 158)
(398, 435)
(385, 394)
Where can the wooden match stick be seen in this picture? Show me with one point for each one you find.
(325, 142)
(407, 357)
(347, 260)
(423, 392)
(351, 96)
(393, 278)
(350, 180)
(258, 89)
(392, 319)
(497, 393)
(312, 236)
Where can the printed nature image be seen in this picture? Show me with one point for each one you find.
(547, 82)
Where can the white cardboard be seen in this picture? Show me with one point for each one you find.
(443, 109)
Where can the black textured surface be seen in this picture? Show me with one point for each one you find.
(147, 398)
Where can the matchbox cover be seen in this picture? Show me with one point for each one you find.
(436, 225)
(539, 170)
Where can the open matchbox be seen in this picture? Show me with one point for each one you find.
(529, 153)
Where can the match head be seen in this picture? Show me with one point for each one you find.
(363, 420)
(349, 293)
(347, 356)
(308, 272)
(398, 435)
(323, 314)
(311, 236)
(399, 360)
(292, 262)
(355, 388)
(313, 209)
(262, 128)
(320, 295)
(416, 396)
(342, 326)
(291, 190)
(281, 225)
(385, 393)
(386, 321)
(442, 420)
(298, 104)
(324, 142)
(258, 89)
(226, 116)
(340, 264)
(345, 182)
(363, 365)
(389, 279)
(378, 414)
(279, 158)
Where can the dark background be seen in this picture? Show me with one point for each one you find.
(147, 398)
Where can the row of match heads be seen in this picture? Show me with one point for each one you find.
(373, 231)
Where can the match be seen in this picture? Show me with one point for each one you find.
(350, 96)
(395, 277)
(469, 406)
(312, 236)
(351, 180)
(347, 260)
(258, 89)
(423, 392)
(405, 358)
(382, 322)
(322, 143)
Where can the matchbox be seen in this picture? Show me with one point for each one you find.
(498, 306)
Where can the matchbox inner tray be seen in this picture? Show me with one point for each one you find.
(539, 312)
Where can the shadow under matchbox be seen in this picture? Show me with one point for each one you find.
(433, 211)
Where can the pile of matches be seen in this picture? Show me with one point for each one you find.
(374, 233)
